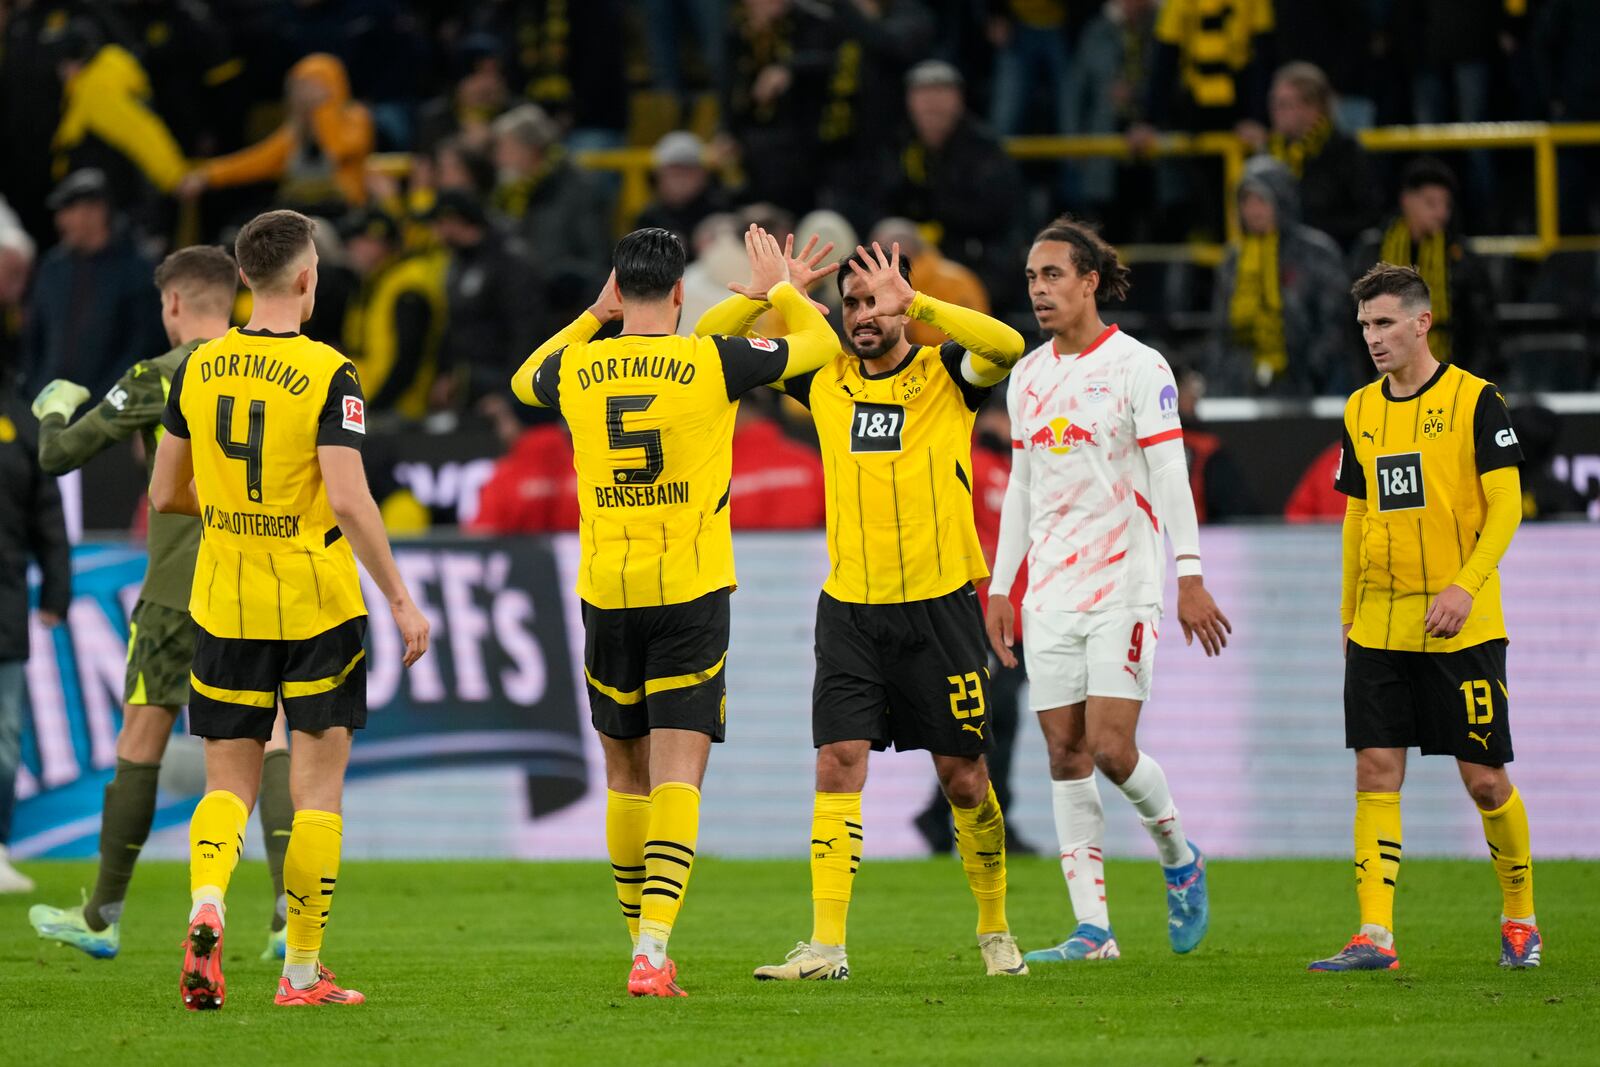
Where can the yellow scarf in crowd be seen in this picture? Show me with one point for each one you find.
(1256, 310)
(1294, 154)
(1431, 258)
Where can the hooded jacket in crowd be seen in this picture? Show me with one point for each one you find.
(1282, 304)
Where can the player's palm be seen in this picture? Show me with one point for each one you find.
(891, 294)
(1200, 617)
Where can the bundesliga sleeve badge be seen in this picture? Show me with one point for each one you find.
(355, 418)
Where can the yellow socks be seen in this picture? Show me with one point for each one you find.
(1377, 839)
(1506, 830)
(310, 869)
(981, 839)
(627, 827)
(668, 859)
(216, 837)
(835, 856)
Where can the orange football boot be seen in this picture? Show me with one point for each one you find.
(201, 985)
(647, 981)
(324, 992)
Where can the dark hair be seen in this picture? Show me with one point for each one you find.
(868, 264)
(205, 274)
(1425, 171)
(269, 244)
(1091, 252)
(649, 263)
(1386, 279)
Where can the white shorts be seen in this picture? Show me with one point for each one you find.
(1077, 654)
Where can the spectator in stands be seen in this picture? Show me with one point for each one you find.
(1570, 84)
(1221, 492)
(16, 264)
(828, 227)
(478, 97)
(493, 316)
(931, 273)
(31, 527)
(90, 316)
(1209, 73)
(195, 72)
(777, 481)
(770, 93)
(534, 487)
(719, 258)
(1423, 235)
(665, 23)
(551, 204)
(318, 157)
(1107, 89)
(107, 122)
(1283, 321)
(866, 48)
(393, 326)
(991, 470)
(457, 165)
(1337, 191)
(1031, 61)
(1343, 45)
(1544, 496)
(570, 59)
(957, 178)
(686, 190)
(1314, 498)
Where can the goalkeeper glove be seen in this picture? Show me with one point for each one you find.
(60, 397)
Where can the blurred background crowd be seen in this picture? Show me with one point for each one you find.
(473, 164)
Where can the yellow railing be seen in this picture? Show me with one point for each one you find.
(632, 165)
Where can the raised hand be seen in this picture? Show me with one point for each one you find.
(768, 264)
(891, 294)
(607, 307)
(811, 265)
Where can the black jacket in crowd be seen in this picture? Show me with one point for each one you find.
(495, 315)
(1337, 192)
(31, 527)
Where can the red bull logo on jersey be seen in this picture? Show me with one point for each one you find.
(1060, 436)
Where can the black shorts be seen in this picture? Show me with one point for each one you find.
(914, 675)
(658, 668)
(236, 683)
(1444, 703)
(160, 651)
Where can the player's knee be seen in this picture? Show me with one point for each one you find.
(841, 768)
(1489, 791)
(1116, 761)
(1069, 762)
(966, 786)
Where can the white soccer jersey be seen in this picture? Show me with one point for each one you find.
(1085, 420)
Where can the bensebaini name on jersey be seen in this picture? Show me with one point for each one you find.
(640, 496)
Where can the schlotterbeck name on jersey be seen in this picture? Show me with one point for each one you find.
(641, 496)
(251, 523)
(262, 368)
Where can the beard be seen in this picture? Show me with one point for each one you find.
(873, 345)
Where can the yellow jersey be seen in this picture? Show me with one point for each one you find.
(1416, 461)
(255, 406)
(652, 439)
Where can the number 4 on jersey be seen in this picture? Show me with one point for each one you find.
(249, 449)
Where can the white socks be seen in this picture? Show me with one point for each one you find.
(206, 894)
(653, 949)
(1146, 789)
(301, 975)
(1080, 828)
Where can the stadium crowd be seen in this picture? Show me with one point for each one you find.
(443, 147)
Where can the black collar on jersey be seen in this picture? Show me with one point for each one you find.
(1425, 386)
(265, 333)
(902, 365)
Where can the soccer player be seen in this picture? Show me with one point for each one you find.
(1429, 463)
(197, 287)
(1097, 473)
(899, 637)
(264, 431)
(652, 418)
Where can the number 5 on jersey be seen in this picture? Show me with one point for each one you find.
(621, 439)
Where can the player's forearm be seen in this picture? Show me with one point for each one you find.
(362, 523)
(1355, 518)
(1011, 547)
(578, 330)
(993, 348)
(1174, 502)
(812, 342)
(1503, 490)
(733, 317)
(64, 447)
(175, 499)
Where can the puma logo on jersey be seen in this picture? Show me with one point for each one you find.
(975, 729)
(1368, 435)
(1484, 740)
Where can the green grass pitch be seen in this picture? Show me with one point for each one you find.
(493, 962)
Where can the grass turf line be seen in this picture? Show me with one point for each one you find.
(494, 962)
